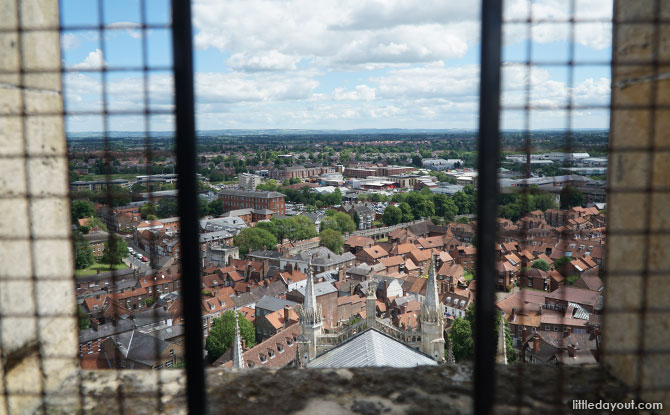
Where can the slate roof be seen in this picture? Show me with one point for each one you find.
(321, 288)
(273, 303)
(140, 347)
(371, 348)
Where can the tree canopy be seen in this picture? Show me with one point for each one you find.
(392, 215)
(83, 254)
(82, 209)
(571, 197)
(541, 264)
(332, 240)
(222, 334)
(251, 239)
(115, 250)
(338, 221)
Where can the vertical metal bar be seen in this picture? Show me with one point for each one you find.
(182, 46)
(487, 205)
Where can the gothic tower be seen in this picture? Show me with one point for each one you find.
(238, 359)
(432, 318)
(371, 305)
(311, 322)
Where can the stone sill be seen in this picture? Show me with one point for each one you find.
(367, 391)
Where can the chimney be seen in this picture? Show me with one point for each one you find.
(536, 344)
(451, 288)
(289, 268)
(95, 324)
(523, 343)
(539, 311)
(513, 315)
(571, 350)
(286, 315)
(244, 343)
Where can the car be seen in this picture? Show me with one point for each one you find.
(138, 255)
(144, 259)
(131, 250)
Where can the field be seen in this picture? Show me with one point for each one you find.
(93, 269)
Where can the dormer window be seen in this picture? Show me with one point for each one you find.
(263, 358)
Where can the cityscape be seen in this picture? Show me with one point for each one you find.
(314, 246)
(350, 207)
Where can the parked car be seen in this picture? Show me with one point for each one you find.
(144, 259)
(138, 255)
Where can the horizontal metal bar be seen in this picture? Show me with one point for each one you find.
(91, 27)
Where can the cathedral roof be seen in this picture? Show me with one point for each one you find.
(371, 348)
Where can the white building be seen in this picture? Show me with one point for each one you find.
(441, 164)
(249, 181)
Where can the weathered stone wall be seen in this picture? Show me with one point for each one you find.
(367, 391)
(636, 331)
(38, 356)
(38, 333)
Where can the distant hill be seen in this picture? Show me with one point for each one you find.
(296, 132)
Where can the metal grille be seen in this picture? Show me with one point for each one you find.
(651, 151)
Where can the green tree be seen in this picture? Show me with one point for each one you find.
(222, 334)
(470, 316)
(332, 240)
(82, 209)
(84, 322)
(464, 202)
(166, 208)
(417, 160)
(460, 337)
(83, 254)
(541, 264)
(392, 215)
(338, 221)
(115, 250)
(423, 209)
(544, 201)
(571, 197)
(84, 229)
(148, 209)
(216, 207)
(251, 239)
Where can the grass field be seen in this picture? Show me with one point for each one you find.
(93, 269)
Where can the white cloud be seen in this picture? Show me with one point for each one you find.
(594, 33)
(133, 29)
(69, 41)
(336, 33)
(272, 61)
(361, 93)
(94, 60)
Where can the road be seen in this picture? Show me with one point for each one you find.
(131, 261)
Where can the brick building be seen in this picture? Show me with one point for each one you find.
(300, 172)
(241, 199)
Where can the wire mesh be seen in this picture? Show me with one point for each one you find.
(648, 191)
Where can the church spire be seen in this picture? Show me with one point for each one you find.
(431, 305)
(311, 312)
(432, 318)
(238, 359)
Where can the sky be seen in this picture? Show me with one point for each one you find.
(342, 64)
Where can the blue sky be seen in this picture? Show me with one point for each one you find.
(336, 64)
